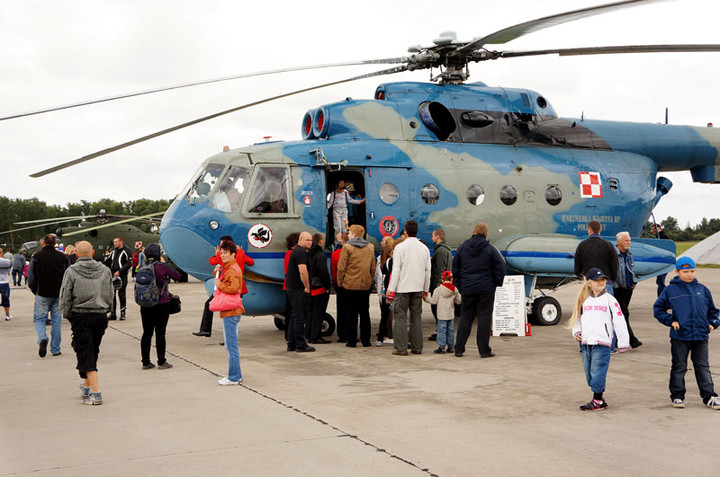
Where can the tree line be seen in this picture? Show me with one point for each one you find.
(699, 232)
(22, 210)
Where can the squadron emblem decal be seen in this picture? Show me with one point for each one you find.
(590, 185)
(389, 226)
(259, 236)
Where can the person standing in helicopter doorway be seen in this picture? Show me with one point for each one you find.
(339, 200)
(119, 261)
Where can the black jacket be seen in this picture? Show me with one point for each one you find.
(119, 260)
(596, 252)
(46, 270)
(478, 268)
(318, 269)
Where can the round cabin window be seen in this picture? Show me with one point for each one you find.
(508, 195)
(553, 195)
(475, 194)
(430, 194)
(389, 193)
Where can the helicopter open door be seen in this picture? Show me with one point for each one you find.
(355, 185)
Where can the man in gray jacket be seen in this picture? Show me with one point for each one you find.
(85, 300)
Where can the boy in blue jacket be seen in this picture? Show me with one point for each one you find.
(693, 316)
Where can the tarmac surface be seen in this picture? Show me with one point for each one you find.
(344, 411)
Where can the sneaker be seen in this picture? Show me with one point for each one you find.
(227, 382)
(94, 399)
(388, 341)
(678, 403)
(122, 315)
(440, 350)
(594, 405)
(84, 392)
(8, 317)
(42, 350)
(165, 365)
(57, 354)
(713, 403)
(148, 366)
(378, 343)
(450, 349)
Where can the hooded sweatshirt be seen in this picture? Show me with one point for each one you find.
(356, 266)
(86, 288)
(446, 296)
(478, 268)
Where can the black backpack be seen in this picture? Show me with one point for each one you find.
(147, 292)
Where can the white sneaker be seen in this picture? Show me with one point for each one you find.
(678, 403)
(713, 403)
(226, 382)
(378, 343)
(388, 341)
(8, 317)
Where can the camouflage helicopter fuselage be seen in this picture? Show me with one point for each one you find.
(446, 156)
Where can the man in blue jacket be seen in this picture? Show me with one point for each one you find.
(478, 269)
(693, 317)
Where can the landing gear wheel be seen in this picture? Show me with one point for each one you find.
(328, 325)
(547, 311)
(280, 322)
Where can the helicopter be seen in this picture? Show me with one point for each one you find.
(447, 154)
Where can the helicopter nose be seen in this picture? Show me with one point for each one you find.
(188, 250)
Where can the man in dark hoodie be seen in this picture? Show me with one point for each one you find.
(85, 300)
(596, 252)
(441, 261)
(45, 274)
(478, 269)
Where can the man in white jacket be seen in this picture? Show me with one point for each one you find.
(409, 285)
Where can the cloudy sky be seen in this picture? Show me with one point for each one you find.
(62, 51)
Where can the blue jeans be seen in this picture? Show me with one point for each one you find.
(698, 351)
(596, 360)
(230, 333)
(43, 306)
(446, 333)
(17, 276)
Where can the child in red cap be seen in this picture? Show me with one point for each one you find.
(445, 296)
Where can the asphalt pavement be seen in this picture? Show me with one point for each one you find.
(349, 411)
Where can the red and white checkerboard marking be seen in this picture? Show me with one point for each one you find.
(590, 185)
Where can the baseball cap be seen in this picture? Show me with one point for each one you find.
(447, 274)
(684, 263)
(595, 274)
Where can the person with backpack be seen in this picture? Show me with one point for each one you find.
(154, 300)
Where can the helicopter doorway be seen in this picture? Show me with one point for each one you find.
(354, 188)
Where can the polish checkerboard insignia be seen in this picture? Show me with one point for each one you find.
(590, 185)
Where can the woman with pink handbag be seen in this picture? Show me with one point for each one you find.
(228, 302)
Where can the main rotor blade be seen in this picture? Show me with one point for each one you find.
(522, 29)
(609, 50)
(208, 81)
(33, 226)
(51, 220)
(397, 69)
(82, 231)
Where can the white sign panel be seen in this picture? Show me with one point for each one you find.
(509, 313)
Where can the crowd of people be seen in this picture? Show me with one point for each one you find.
(404, 272)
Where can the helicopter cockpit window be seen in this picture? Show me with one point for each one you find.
(389, 193)
(270, 191)
(475, 194)
(553, 195)
(430, 194)
(227, 196)
(508, 195)
(205, 180)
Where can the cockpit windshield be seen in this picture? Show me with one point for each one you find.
(227, 196)
(204, 181)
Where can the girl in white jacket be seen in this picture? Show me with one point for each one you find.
(595, 322)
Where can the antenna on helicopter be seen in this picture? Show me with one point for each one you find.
(666, 115)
